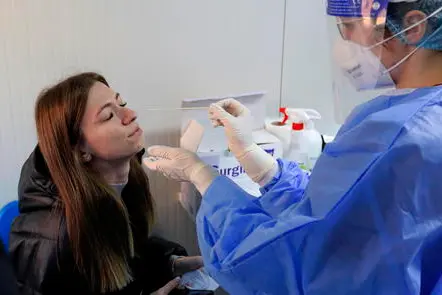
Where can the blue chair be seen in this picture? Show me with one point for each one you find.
(7, 215)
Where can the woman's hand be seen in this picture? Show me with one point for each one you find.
(169, 287)
(181, 265)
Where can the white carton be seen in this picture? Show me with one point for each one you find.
(213, 146)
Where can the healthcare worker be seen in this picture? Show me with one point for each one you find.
(368, 220)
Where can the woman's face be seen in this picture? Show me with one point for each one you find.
(109, 129)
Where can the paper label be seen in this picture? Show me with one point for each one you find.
(231, 168)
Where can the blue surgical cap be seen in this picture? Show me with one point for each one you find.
(398, 9)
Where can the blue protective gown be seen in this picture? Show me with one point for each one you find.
(367, 221)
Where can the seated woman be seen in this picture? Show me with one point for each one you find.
(85, 205)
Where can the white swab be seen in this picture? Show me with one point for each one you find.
(176, 109)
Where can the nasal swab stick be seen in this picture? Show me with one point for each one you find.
(173, 109)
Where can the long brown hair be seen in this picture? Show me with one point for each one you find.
(97, 221)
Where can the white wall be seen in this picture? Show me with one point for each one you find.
(155, 52)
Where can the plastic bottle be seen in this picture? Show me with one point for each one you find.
(305, 142)
(281, 128)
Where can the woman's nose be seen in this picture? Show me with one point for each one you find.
(128, 116)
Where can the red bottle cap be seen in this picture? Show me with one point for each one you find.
(298, 126)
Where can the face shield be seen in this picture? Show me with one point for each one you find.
(357, 29)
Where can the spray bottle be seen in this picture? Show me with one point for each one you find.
(281, 128)
(305, 141)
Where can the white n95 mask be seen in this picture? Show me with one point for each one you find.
(361, 66)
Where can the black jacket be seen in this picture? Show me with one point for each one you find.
(7, 280)
(40, 249)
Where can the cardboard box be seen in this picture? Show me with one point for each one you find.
(213, 149)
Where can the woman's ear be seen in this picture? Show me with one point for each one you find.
(416, 20)
(84, 151)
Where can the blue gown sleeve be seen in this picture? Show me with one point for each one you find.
(239, 236)
(282, 192)
(233, 222)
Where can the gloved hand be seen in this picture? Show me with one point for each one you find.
(169, 287)
(181, 165)
(238, 122)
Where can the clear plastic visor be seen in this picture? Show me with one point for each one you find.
(358, 73)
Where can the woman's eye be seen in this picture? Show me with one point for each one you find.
(123, 104)
(110, 116)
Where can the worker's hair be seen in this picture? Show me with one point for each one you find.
(97, 220)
